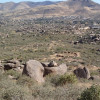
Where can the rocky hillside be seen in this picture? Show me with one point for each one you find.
(84, 8)
(22, 5)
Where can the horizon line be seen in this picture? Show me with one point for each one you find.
(41, 1)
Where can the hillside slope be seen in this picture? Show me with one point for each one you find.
(84, 8)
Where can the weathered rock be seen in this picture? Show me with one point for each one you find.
(45, 64)
(22, 66)
(60, 70)
(35, 70)
(18, 69)
(91, 78)
(87, 72)
(16, 62)
(82, 73)
(52, 64)
(0, 64)
(95, 78)
(11, 64)
(1, 67)
(11, 77)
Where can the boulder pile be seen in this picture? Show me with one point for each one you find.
(37, 70)
(13, 64)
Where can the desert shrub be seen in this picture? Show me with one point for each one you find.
(13, 73)
(1, 75)
(51, 79)
(25, 80)
(42, 92)
(16, 93)
(69, 92)
(13, 93)
(9, 90)
(92, 93)
(94, 73)
(57, 80)
(6, 83)
(66, 79)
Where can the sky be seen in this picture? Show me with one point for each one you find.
(2, 1)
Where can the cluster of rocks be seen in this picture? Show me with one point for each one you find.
(91, 38)
(13, 64)
(38, 71)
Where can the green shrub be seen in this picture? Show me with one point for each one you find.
(13, 93)
(69, 92)
(1, 75)
(56, 80)
(51, 79)
(13, 73)
(16, 93)
(25, 80)
(66, 79)
(9, 90)
(92, 93)
(43, 93)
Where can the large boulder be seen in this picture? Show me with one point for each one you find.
(35, 70)
(60, 70)
(82, 72)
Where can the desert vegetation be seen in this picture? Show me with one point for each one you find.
(55, 58)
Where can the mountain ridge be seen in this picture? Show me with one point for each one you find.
(84, 8)
(22, 5)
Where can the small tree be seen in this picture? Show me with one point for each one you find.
(64, 79)
(92, 93)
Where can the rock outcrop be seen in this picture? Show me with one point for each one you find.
(60, 70)
(52, 64)
(11, 64)
(82, 72)
(35, 70)
(45, 64)
(49, 64)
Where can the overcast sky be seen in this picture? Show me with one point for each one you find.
(2, 1)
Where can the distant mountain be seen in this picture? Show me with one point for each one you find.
(84, 8)
(23, 5)
(81, 3)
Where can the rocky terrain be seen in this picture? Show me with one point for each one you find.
(42, 80)
(50, 50)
